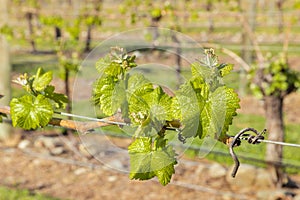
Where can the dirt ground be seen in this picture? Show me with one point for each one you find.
(75, 178)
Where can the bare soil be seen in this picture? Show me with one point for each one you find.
(78, 178)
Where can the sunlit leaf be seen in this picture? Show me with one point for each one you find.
(102, 93)
(145, 163)
(31, 112)
(42, 80)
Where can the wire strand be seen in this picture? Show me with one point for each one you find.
(169, 128)
(280, 143)
(92, 119)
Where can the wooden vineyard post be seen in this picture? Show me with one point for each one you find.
(5, 69)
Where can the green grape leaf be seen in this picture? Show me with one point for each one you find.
(232, 104)
(41, 80)
(102, 64)
(218, 112)
(138, 111)
(111, 94)
(114, 69)
(213, 114)
(51, 20)
(119, 99)
(192, 106)
(154, 107)
(145, 163)
(199, 70)
(205, 117)
(140, 159)
(31, 112)
(71, 64)
(60, 99)
(138, 85)
(186, 108)
(103, 93)
(116, 63)
(202, 112)
(164, 175)
(225, 69)
(211, 76)
(160, 104)
(210, 71)
(108, 67)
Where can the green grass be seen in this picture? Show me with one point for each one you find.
(28, 63)
(21, 194)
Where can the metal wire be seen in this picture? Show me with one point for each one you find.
(240, 135)
(93, 119)
(107, 121)
(280, 143)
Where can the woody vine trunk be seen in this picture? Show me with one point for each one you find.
(274, 117)
(29, 17)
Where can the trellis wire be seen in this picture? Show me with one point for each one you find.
(280, 143)
(105, 120)
(169, 128)
(93, 119)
